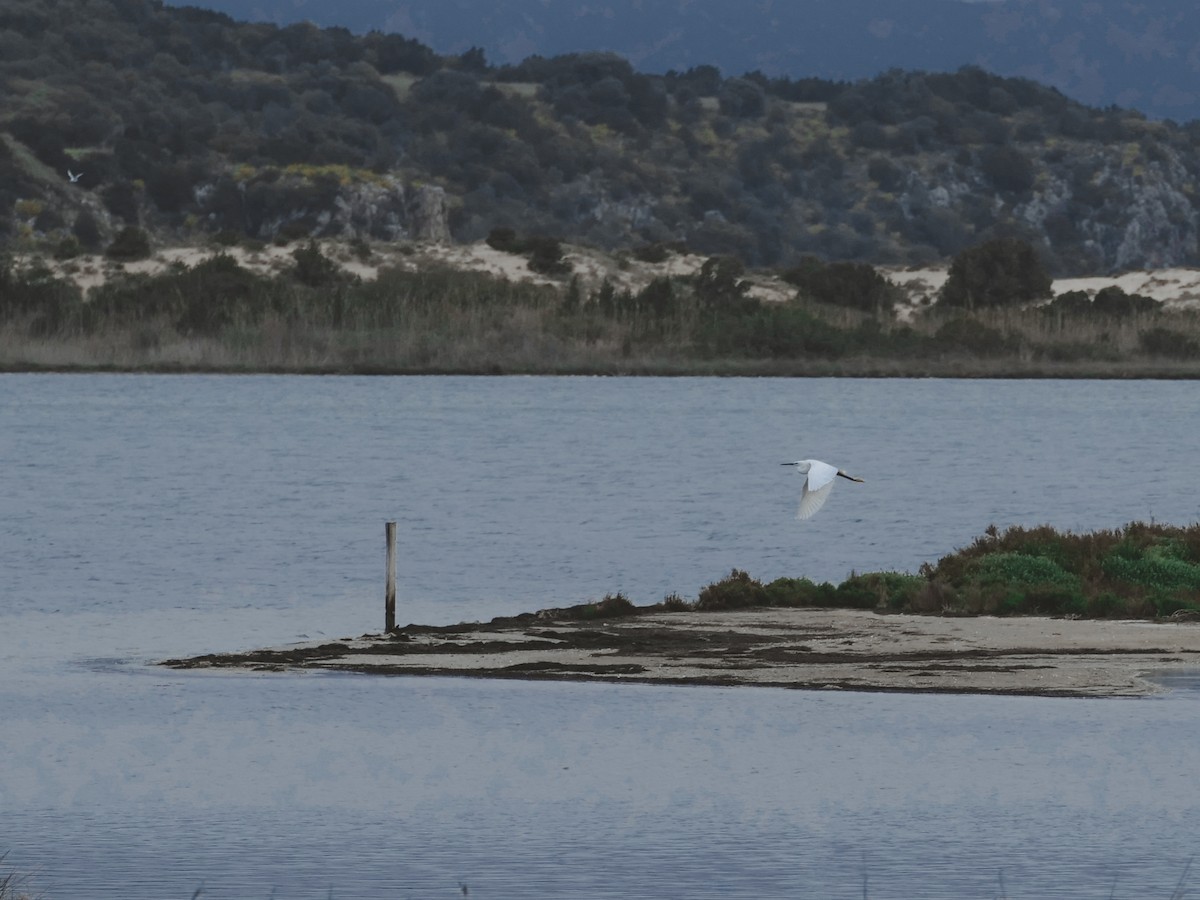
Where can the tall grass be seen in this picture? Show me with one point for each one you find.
(217, 315)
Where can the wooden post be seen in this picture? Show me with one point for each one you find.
(389, 601)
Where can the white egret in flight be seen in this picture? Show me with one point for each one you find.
(818, 484)
(74, 176)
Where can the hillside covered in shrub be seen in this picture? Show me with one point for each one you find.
(185, 122)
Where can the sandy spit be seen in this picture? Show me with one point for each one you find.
(813, 649)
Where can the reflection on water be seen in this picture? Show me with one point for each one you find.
(147, 517)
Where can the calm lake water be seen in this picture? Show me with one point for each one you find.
(143, 517)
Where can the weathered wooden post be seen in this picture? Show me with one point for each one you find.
(389, 601)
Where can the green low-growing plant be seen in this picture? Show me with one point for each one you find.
(1021, 569)
(880, 590)
(674, 603)
(737, 591)
(612, 606)
(1135, 571)
(1138, 571)
(800, 592)
(1170, 582)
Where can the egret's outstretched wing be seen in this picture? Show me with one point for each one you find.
(818, 484)
(812, 500)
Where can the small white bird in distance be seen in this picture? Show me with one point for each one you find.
(74, 176)
(818, 484)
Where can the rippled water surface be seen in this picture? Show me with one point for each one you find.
(143, 517)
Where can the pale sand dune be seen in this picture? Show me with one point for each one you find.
(592, 267)
(1176, 288)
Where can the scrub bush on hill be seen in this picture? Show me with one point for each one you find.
(1001, 272)
(1113, 301)
(34, 299)
(545, 254)
(131, 243)
(657, 252)
(856, 285)
(201, 299)
(313, 268)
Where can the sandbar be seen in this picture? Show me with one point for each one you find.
(813, 649)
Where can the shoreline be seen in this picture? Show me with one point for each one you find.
(878, 369)
(809, 649)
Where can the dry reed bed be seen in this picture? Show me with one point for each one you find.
(219, 316)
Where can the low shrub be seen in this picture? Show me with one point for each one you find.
(799, 592)
(1171, 344)
(857, 285)
(68, 248)
(611, 607)
(1021, 569)
(971, 336)
(226, 237)
(1139, 570)
(999, 272)
(505, 240)
(545, 253)
(737, 591)
(35, 297)
(131, 243)
(657, 252)
(880, 590)
(546, 256)
(674, 603)
(1113, 301)
(313, 268)
(775, 332)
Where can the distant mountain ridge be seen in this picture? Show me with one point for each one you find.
(1101, 52)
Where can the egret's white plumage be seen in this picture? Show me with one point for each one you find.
(74, 176)
(818, 484)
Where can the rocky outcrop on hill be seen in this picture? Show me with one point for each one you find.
(328, 203)
(1126, 215)
(428, 214)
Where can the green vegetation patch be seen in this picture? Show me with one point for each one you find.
(1022, 569)
(1138, 571)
